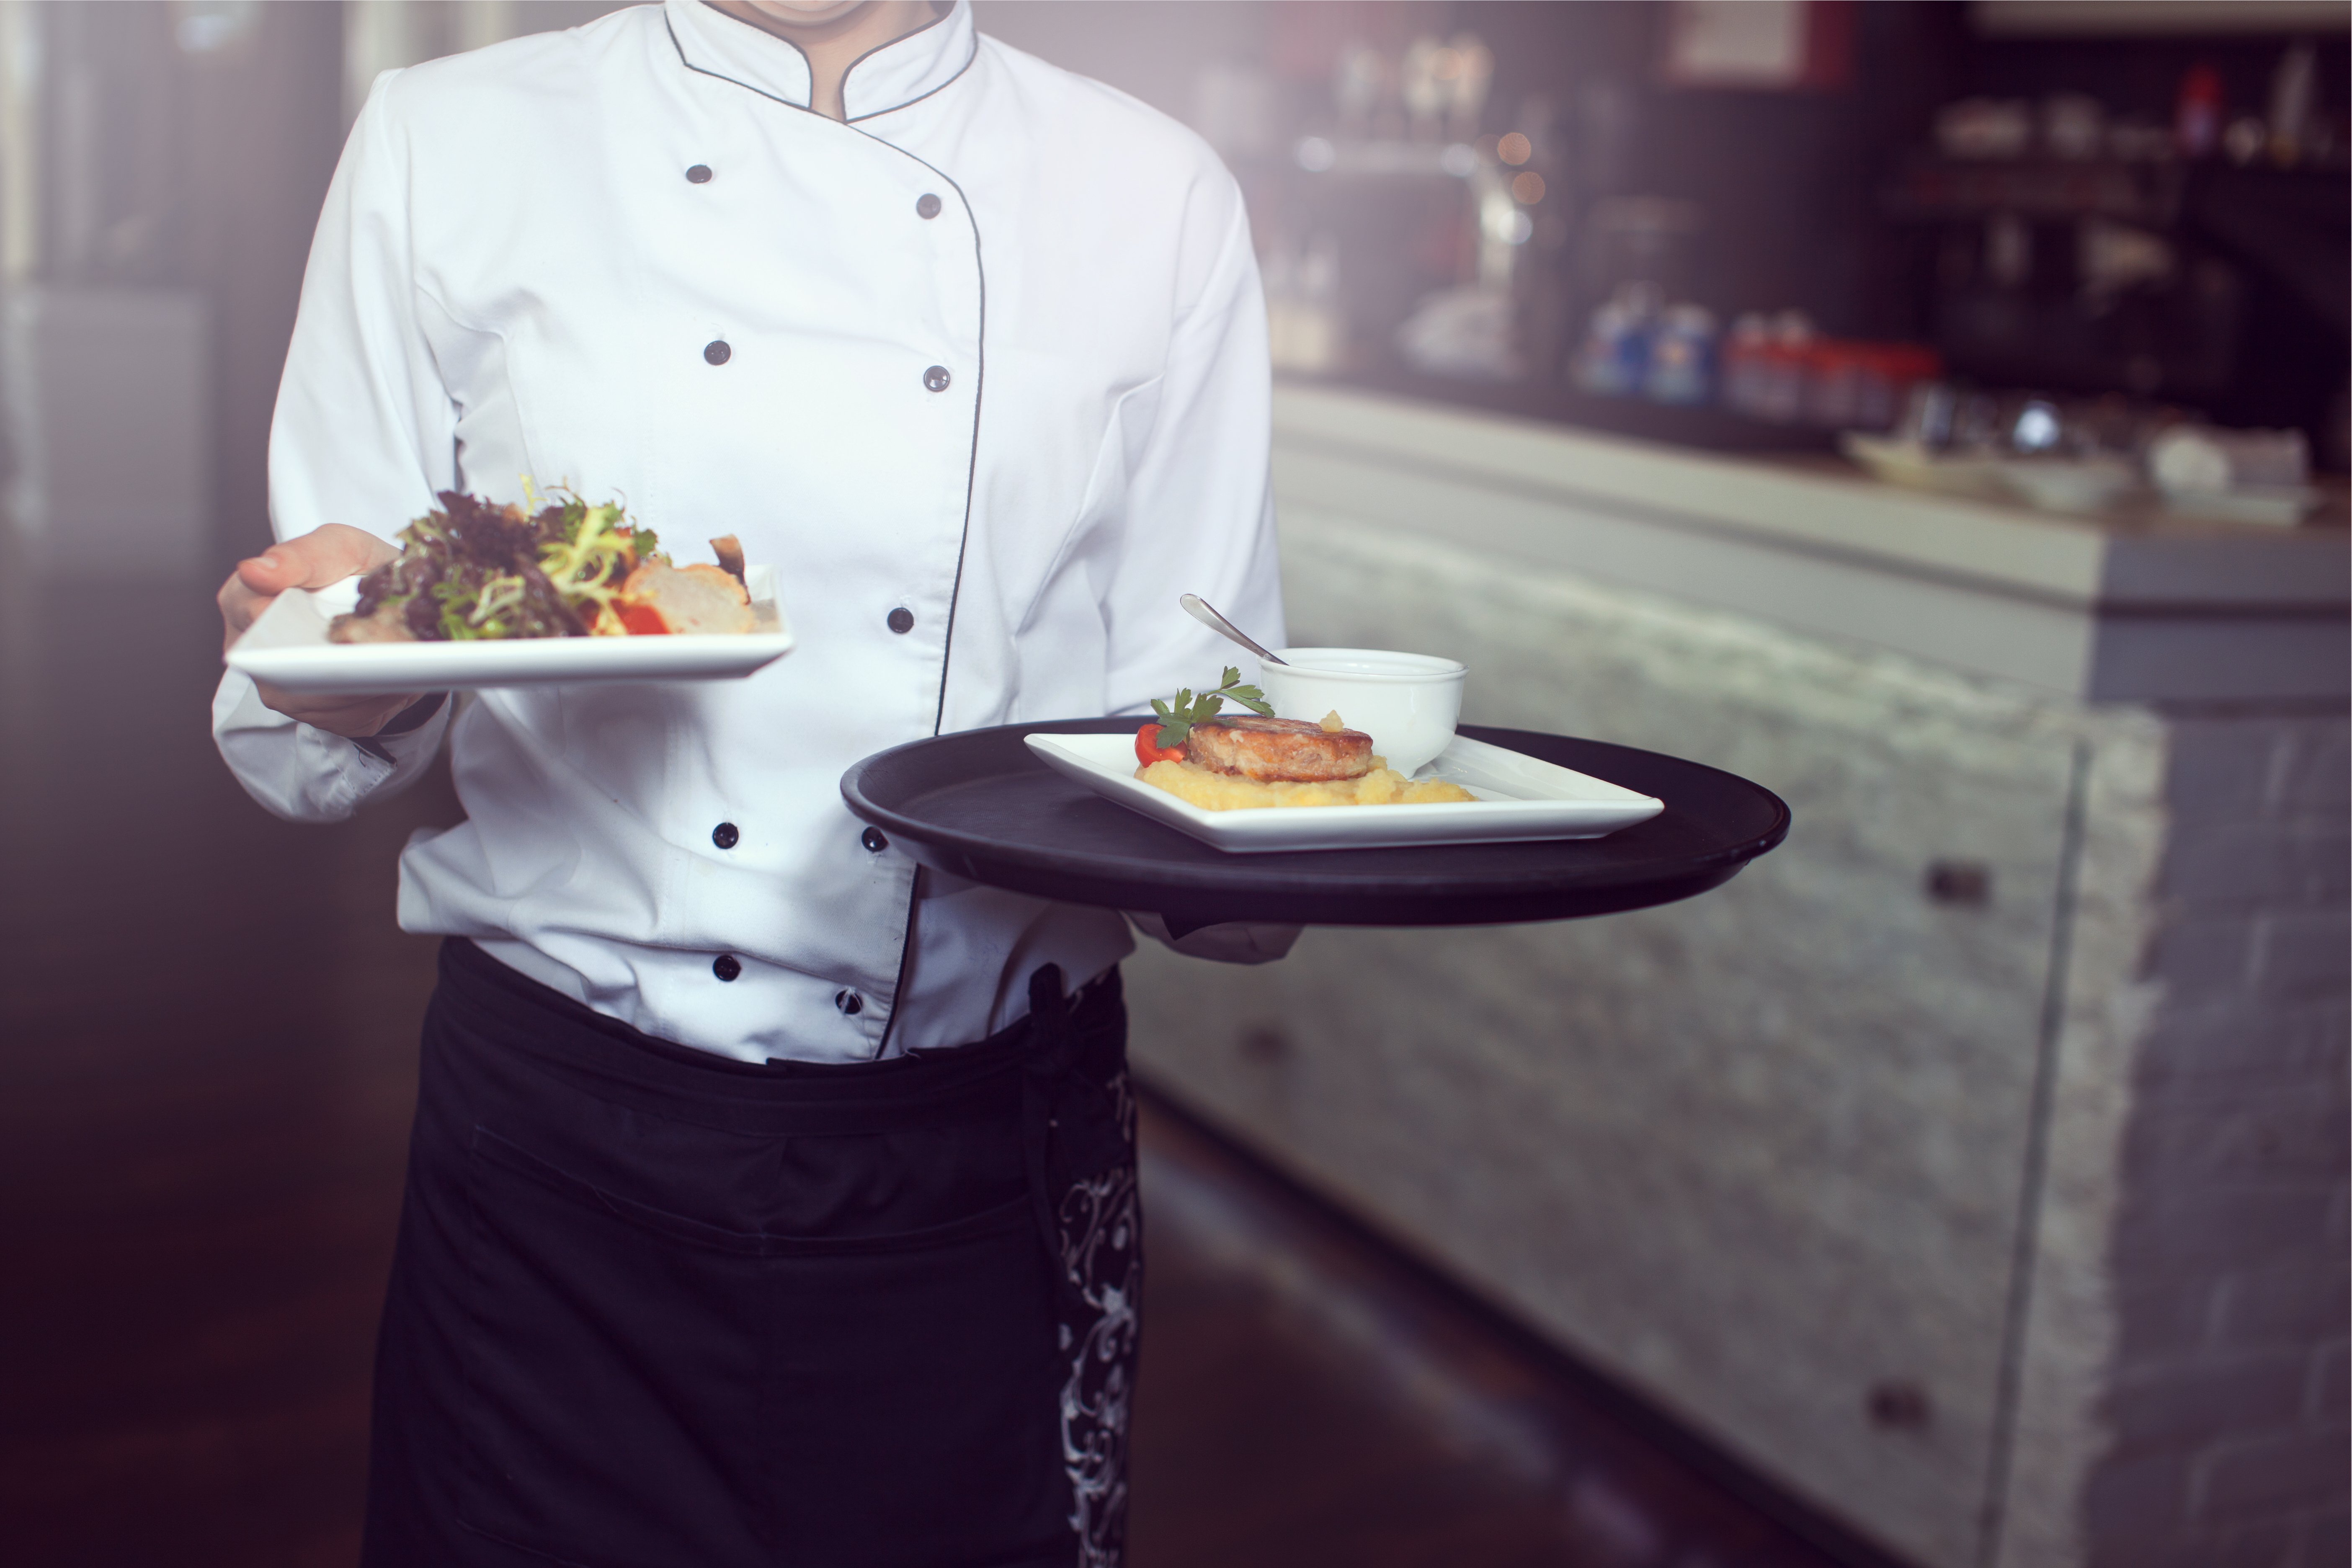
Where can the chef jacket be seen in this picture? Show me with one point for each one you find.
(981, 371)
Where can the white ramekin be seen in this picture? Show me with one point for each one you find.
(1407, 702)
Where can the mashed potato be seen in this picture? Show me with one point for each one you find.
(1230, 792)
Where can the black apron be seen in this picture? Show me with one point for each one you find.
(656, 1309)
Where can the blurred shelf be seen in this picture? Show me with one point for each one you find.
(1933, 189)
(1930, 188)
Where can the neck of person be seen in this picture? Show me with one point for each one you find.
(832, 37)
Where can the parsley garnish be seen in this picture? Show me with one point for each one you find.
(1177, 718)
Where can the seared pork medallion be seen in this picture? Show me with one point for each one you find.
(1290, 750)
(1257, 760)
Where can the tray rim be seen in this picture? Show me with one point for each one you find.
(1204, 892)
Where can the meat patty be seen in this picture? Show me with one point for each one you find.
(689, 599)
(1288, 750)
(388, 623)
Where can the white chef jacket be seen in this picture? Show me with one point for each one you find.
(1030, 419)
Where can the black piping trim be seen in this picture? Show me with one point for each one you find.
(901, 38)
(979, 390)
(912, 101)
(972, 473)
(845, 70)
(906, 961)
(980, 370)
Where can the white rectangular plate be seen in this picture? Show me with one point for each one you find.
(1519, 798)
(287, 647)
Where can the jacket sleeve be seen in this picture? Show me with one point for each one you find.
(1200, 520)
(365, 434)
(1200, 507)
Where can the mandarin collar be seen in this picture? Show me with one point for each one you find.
(879, 81)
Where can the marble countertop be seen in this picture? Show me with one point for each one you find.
(2134, 605)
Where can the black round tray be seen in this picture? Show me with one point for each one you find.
(981, 806)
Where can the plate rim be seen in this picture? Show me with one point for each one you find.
(1232, 832)
(358, 668)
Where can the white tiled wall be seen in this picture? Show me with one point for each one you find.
(2068, 1164)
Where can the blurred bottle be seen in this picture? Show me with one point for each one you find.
(1306, 332)
(1424, 91)
(1613, 361)
(1357, 85)
(1468, 81)
(2197, 112)
(1941, 417)
(2244, 139)
(2073, 126)
(1781, 369)
(1888, 378)
(1984, 128)
(1680, 365)
(1741, 369)
(1863, 386)
(1780, 383)
(2293, 89)
(1831, 393)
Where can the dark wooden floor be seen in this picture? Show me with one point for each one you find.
(207, 1029)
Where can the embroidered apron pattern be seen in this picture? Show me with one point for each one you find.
(1080, 1119)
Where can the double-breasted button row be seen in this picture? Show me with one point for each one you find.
(927, 206)
(726, 966)
(727, 835)
(718, 351)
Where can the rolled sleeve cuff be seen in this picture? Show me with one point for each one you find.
(307, 774)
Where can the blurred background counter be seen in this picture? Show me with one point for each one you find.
(1913, 1165)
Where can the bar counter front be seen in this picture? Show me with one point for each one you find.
(1901, 1164)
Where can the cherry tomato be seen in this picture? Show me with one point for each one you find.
(1148, 749)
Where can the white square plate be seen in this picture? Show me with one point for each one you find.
(287, 647)
(1519, 798)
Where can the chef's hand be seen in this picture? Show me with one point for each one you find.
(325, 555)
(1235, 942)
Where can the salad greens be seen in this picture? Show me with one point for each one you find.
(470, 570)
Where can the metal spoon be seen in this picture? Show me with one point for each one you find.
(1200, 610)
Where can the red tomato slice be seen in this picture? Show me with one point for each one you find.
(644, 621)
(1148, 749)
